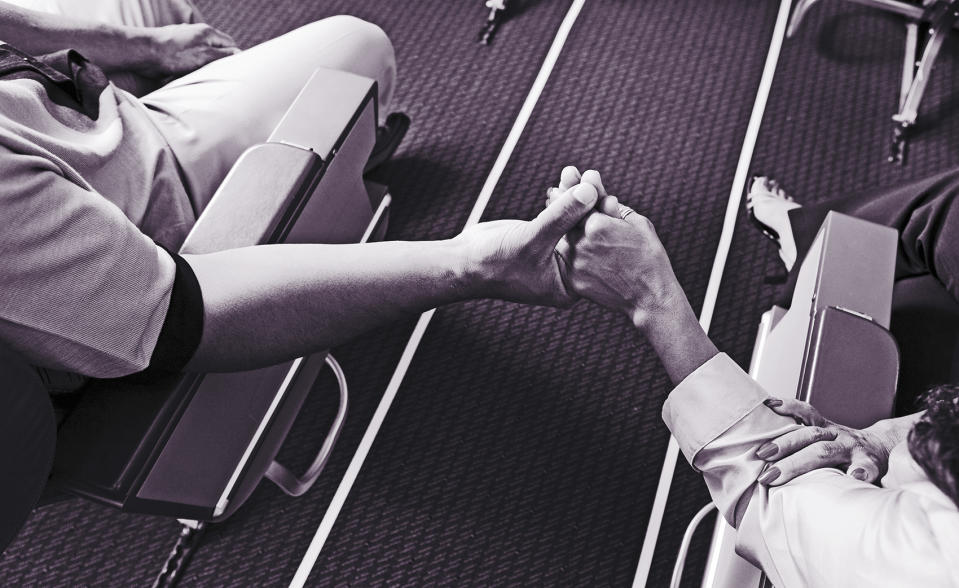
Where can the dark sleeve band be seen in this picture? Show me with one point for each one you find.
(183, 326)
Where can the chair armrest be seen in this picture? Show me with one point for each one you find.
(305, 183)
(850, 265)
(258, 200)
(851, 370)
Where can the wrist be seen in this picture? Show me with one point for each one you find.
(674, 332)
(892, 432)
(137, 49)
(667, 324)
(652, 314)
(469, 278)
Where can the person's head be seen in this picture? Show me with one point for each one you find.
(934, 440)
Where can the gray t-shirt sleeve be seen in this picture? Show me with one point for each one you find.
(81, 288)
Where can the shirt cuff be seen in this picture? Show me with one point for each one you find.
(708, 402)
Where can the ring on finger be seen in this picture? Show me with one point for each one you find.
(625, 211)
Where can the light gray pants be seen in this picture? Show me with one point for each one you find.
(212, 115)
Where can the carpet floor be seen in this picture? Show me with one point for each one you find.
(525, 444)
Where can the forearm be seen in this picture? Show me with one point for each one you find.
(266, 304)
(678, 338)
(109, 46)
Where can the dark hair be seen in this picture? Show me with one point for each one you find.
(934, 440)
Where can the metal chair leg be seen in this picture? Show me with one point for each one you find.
(186, 545)
(897, 149)
(799, 12)
(894, 6)
(497, 8)
(941, 16)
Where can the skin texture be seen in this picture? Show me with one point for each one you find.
(267, 304)
(821, 443)
(621, 264)
(178, 49)
(152, 52)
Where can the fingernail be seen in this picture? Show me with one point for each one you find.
(585, 194)
(767, 450)
(769, 475)
(859, 474)
(772, 402)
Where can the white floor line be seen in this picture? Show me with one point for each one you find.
(716, 277)
(346, 484)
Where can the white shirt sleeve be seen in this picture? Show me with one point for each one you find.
(822, 528)
(82, 289)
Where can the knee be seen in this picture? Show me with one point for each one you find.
(372, 41)
(349, 44)
(369, 51)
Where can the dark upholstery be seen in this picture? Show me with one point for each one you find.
(925, 322)
(27, 439)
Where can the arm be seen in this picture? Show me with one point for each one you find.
(823, 528)
(85, 291)
(155, 52)
(270, 303)
(808, 532)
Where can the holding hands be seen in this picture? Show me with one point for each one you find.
(584, 244)
(518, 260)
(615, 258)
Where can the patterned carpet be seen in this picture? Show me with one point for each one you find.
(525, 444)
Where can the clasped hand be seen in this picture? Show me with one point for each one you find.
(579, 246)
(614, 256)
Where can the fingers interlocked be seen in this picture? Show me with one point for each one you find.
(606, 203)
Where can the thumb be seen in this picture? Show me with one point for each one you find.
(563, 213)
(862, 466)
